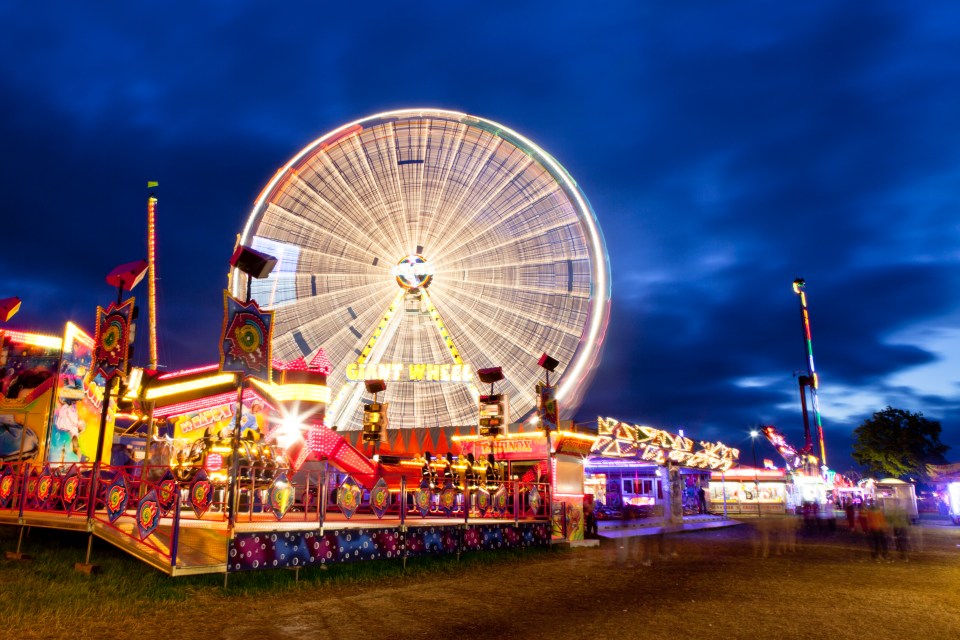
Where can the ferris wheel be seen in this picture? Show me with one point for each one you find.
(418, 246)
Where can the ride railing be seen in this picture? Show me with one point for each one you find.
(323, 497)
(141, 505)
(55, 489)
(136, 500)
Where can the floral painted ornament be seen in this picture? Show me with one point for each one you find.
(424, 496)
(31, 487)
(201, 493)
(7, 482)
(167, 490)
(280, 496)
(534, 500)
(500, 500)
(483, 501)
(380, 498)
(448, 498)
(148, 514)
(44, 485)
(348, 497)
(71, 488)
(118, 494)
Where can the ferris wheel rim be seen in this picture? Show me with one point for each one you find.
(577, 373)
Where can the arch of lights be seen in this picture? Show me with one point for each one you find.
(420, 245)
(616, 439)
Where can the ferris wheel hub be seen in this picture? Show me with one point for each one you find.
(413, 272)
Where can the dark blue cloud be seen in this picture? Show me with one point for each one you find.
(726, 150)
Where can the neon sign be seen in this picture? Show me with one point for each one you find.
(621, 440)
(395, 371)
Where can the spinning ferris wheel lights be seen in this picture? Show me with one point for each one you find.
(366, 220)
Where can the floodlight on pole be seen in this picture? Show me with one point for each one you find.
(253, 263)
(756, 478)
(9, 308)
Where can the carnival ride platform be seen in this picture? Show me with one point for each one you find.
(183, 541)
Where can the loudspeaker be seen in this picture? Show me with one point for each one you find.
(548, 363)
(252, 262)
(375, 386)
(128, 275)
(9, 308)
(490, 375)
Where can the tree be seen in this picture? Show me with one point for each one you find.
(898, 443)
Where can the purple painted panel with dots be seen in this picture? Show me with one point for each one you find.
(283, 549)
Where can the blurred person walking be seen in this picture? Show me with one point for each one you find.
(877, 528)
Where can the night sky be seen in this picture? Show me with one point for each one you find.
(726, 151)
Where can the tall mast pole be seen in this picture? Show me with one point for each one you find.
(152, 274)
(813, 381)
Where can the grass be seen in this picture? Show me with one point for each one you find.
(49, 589)
(714, 588)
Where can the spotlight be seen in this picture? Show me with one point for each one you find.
(490, 375)
(128, 275)
(9, 308)
(252, 262)
(548, 363)
(375, 386)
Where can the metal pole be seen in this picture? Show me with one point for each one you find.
(756, 477)
(723, 485)
(232, 497)
(175, 534)
(403, 501)
(516, 501)
(306, 498)
(146, 450)
(98, 454)
(323, 499)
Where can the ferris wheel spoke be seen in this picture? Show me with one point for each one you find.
(552, 312)
(474, 166)
(439, 159)
(528, 320)
(318, 225)
(508, 205)
(379, 161)
(470, 211)
(372, 219)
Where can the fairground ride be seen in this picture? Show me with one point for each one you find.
(420, 245)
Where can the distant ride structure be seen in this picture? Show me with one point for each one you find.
(417, 246)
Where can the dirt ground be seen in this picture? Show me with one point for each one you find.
(713, 583)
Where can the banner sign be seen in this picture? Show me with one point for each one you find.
(78, 404)
(112, 339)
(245, 344)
